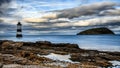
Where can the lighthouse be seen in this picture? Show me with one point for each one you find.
(19, 30)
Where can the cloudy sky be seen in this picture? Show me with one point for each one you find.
(58, 17)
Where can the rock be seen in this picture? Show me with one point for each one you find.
(1, 42)
(73, 46)
(68, 45)
(7, 45)
(33, 57)
(30, 53)
(28, 44)
(11, 45)
(18, 44)
(1, 65)
(96, 31)
(43, 42)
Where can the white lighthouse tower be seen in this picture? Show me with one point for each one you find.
(19, 30)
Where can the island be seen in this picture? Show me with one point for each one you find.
(96, 31)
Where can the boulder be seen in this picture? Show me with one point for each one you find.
(11, 45)
(6, 44)
(1, 65)
(73, 46)
(96, 31)
(28, 44)
(68, 45)
(43, 43)
(1, 42)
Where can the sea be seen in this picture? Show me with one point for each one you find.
(92, 42)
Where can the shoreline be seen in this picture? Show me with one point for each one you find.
(99, 42)
(26, 53)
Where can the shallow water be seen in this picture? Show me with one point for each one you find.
(99, 42)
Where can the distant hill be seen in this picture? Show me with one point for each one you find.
(96, 31)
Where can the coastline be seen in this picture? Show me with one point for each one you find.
(93, 42)
(26, 53)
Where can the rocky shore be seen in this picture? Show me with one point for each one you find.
(22, 54)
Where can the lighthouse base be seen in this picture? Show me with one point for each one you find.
(19, 36)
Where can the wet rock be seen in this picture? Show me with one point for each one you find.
(7, 45)
(29, 44)
(1, 65)
(43, 43)
(72, 46)
(33, 57)
(10, 59)
(26, 53)
(67, 45)
(11, 45)
(1, 42)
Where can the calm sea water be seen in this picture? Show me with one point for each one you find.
(99, 42)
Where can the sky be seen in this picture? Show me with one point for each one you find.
(58, 17)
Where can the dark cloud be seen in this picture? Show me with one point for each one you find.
(4, 1)
(111, 12)
(91, 9)
(4, 4)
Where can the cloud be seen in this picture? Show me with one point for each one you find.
(36, 6)
(98, 21)
(1, 32)
(89, 9)
(59, 20)
(50, 16)
(47, 17)
(4, 4)
(111, 12)
(4, 1)
(35, 20)
(105, 20)
(94, 21)
(1, 20)
(35, 16)
(86, 15)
